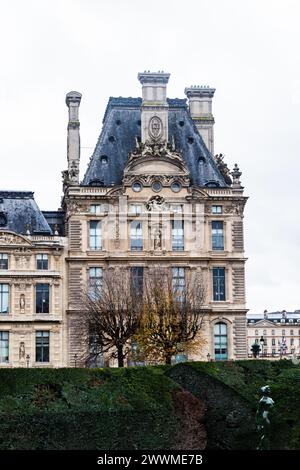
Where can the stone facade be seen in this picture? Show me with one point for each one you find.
(153, 195)
(32, 300)
(277, 333)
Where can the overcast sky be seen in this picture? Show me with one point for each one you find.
(247, 50)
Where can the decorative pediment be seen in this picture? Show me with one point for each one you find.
(262, 323)
(11, 239)
(154, 159)
(197, 193)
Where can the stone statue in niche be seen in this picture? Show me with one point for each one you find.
(22, 351)
(157, 239)
(22, 302)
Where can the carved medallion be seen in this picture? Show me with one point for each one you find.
(155, 128)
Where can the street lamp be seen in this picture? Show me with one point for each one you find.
(208, 357)
(262, 342)
(27, 359)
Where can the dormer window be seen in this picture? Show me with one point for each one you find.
(156, 186)
(137, 187)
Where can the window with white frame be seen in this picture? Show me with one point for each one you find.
(136, 235)
(42, 346)
(220, 341)
(4, 346)
(3, 261)
(135, 209)
(4, 298)
(95, 282)
(216, 209)
(178, 282)
(42, 261)
(177, 235)
(96, 209)
(95, 235)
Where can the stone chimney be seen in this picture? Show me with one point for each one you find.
(154, 105)
(200, 107)
(73, 99)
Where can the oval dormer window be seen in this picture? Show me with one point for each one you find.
(104, 160)
(156, 186)
(137, 187)
(176, 187)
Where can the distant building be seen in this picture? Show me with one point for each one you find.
(277, 333)
(153, 195)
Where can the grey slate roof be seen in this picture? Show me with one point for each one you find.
(121, 126)
(274, 317)
(19, 212)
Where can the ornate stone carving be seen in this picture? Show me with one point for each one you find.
(155, 128)
(156, 204)
(76, 207)
(235, 208)
(10, 238)
(224, 170)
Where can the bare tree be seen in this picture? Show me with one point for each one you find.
(172, 317)
(111, 315)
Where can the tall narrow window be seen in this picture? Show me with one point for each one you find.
(4, 298)
(95, 235)
(42, 298)
(219, 284)
(95, 282)
(136, 236)
(42, 261)
(3, 261)
(217, 235)
(220, 341)
(4, 346)
(177, 235)
(178, 282)
(137, 273)
(42, 346)
(96, 357)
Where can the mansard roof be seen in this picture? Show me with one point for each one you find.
(121, 128)
(275, 317)
(19, 212)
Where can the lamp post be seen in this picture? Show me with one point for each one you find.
(262, 342)
(75, 359)
(27, 359)
(208, 357)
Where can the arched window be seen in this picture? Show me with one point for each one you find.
(220, 341)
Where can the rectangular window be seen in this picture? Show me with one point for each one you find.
(137, 273)
(96, 209)
(273, 332)
(136, 236)
(219, 284)
(42, 261)
(217, 235)
(95, 235)
(273, 342)
(42, 346)
(3, 261)
(176, 208)
(4, 346)
(177, 235)
(95, 282)
(178, 282)
(273, 352)
(292, 332)
(216, 209)
(292, 341)
(4, 298)
(135, 209)
(42, 298)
